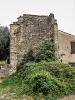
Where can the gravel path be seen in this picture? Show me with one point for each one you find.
(71, 97)
(8, 94)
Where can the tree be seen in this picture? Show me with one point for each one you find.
(4, 42)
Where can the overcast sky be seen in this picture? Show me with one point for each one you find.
(63, 10)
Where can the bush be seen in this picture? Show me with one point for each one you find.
(29, 57)
(46, 52)
(44, 83)
(51, 79)
(61, 70)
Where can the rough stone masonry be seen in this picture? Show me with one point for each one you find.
(28, 33)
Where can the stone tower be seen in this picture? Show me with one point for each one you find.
(28, 33)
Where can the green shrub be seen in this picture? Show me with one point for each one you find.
(51, 79)
(44, 83)
(38, 73)
(46, 52)
(61, 70)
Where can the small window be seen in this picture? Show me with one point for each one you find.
(72, 64)
(72, 47)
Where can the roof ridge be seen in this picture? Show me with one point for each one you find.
(67, 33)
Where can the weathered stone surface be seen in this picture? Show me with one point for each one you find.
(28, 33)
(4, 69)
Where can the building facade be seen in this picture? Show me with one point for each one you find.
(66, 47)
(31, 30)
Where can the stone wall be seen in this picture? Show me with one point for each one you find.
(28, 33)
(4, 69)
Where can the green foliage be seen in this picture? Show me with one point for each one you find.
(38, 75)
(61, 70)
(29, 57)
(51, 79)
(4, 42)
(43, 82)
(46, 52)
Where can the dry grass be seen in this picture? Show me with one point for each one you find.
(10, 94)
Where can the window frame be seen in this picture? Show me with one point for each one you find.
(72, 47)
(72, 64)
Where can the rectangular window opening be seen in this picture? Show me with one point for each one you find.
(72, 47)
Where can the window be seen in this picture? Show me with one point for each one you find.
(72, 47)
(72, 64)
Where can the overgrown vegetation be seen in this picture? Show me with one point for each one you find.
(44, 77)
(46, 52)
(51, 79)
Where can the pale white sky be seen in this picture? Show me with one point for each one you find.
(63, 10)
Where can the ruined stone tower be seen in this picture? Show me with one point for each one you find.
(28, 33)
